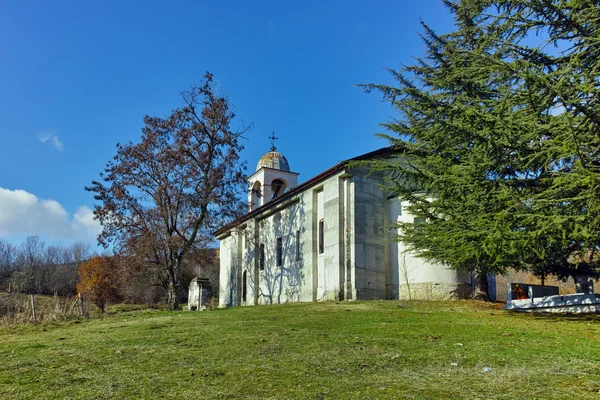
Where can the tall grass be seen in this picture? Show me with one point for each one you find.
(16, 308)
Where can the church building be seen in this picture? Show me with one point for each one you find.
(329, 238)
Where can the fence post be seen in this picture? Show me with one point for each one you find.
(33, 308)
(57, 308)
(81, 305)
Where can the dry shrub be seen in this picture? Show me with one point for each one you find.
(15, 308)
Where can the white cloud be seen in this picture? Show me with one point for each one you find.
(49, 136)
(22, 213)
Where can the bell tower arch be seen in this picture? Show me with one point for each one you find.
(271, 179)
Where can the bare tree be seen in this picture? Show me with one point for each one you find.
(31, 252)
(80, 252)
(29, 259)
(405, 271)
(162, 197)
(8, 254)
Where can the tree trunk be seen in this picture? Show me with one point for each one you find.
(172, 296)
(481, 287)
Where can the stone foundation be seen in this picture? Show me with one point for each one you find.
(434, 291)
(369, 294)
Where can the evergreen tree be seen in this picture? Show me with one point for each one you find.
(498, 132)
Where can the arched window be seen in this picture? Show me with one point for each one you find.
(278, 187)
(256, 195)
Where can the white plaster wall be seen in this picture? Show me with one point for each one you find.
(249, 253)
(369, 240)
(228, 276)
(296, 280)
(321, 282)
(361, 258)
(292, 281)
(425, 280)
(334, 240)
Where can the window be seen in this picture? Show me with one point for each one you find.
(321, 236)
(278, 187)
(256, 196)
(261, 257)
(297, 245)
(279, 252)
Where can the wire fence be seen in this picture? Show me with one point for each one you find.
(18, 308)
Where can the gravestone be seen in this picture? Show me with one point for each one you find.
(584, 284)
(542, 291)
(199, 294)
(520, 291)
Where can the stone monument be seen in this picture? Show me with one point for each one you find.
(199, 294)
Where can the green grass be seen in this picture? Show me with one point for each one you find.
(355, 350)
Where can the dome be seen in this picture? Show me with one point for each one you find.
(274, 160)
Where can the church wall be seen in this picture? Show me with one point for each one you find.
(360, 259)
(229, 270)
(331, 284)
(412, 277)
(298, 279)
(249, 265)
(369, 241)
(292, 280)
(356, 256)
(350, 239)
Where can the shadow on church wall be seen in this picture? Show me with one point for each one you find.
(278, 283)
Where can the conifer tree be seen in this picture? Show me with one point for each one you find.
(498, 131)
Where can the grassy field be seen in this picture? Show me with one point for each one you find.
(395, 350)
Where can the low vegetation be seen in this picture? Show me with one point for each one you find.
(34, 267)
(379, 349)
(17, 308)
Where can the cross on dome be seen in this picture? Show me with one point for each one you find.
(273, 139)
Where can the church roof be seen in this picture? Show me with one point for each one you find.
(274, 160)
(311, 182)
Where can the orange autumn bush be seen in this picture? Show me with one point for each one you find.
(98, 280)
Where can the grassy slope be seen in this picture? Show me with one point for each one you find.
(347, 350)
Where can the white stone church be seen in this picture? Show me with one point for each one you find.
(329, 238)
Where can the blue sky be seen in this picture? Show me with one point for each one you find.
(78, 77)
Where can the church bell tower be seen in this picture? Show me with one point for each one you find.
(271, 179)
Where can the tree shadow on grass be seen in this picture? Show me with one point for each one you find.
(561, 317)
